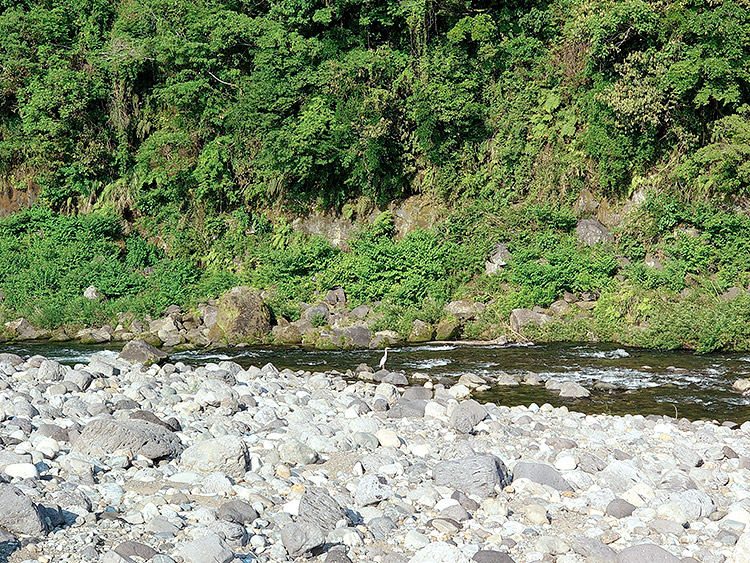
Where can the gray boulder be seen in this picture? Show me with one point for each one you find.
(237, 511)
(50, 370)
(646, 553)
(18, 514)
(594, 550)
(541, 473)
(208, 549)
(297, 452)
(572, 390)
(472, 475)
(318, 507)
(299, 538)
(137, 437)
(139, 351)
(227, 454)
(466, 415)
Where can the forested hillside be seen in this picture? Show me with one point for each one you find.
(171, 140)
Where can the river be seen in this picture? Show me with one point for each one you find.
(646, 381)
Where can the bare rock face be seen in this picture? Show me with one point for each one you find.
(498, 260)
(241, 317)
(92, 293)
(519, 318)
(591, 232)
(421, 332)
(24, 330)
(138, 437)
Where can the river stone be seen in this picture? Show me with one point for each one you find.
(619, 508)
(318, 507)
(646, 553)
(372, 489)
(131, 548)
(50, 370)
(18, 514)
(417, 392)
(619, 476)
(139, 351)
(208, 549)
(440, 552)
(684, 506)
(301, 537)
(137, 437)
(466, 415)
(572, 390)
(237, 511)
(242, 317)
(404, 408)
(297, 452)
(492, 556)
(541, 473)
(594, 550)
(742, 548)
(227, 454)
(472, 475)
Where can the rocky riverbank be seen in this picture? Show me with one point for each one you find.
(241, 317)
(117, 462)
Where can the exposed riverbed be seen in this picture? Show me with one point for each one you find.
(645, 381)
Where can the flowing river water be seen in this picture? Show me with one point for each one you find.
(642, 381)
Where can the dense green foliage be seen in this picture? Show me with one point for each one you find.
(167, 105)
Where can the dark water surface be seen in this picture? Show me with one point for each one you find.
(647, 381)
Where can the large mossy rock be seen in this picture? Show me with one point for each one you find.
(241, 317)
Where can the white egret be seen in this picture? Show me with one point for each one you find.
(384, 359)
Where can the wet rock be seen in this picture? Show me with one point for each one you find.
(572, 390)
(242, 317)
(139, 351)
